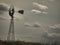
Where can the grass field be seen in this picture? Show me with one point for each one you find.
(24, 43)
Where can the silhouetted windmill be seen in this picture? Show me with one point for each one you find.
(11, 34)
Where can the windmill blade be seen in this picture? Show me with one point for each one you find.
(21, 11)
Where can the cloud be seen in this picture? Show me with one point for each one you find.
(36, 25)
(55, 26)
(3, 18)
(42, 7)
(3, 8)
(27, 24)
(53, 35)
(53, 32)
(54, 29)
(44, 12)
(38, 11)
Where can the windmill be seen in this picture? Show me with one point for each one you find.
(11, 34)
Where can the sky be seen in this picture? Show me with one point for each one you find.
(40, 21)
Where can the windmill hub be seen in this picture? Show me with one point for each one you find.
(11, 12)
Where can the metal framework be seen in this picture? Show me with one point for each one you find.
(11, 34)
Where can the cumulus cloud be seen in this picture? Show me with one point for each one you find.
(3, 18)
(38, 11)
(44, 12)
(27, 24)
(54, 29)
(53, 32)
(3, 8)
(55, 26)
(36, 25)
(50, 33)
(42, 7)
(53, 35)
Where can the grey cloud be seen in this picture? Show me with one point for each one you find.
(38, 11)
(47, 37)
(36, 25)
(44, 12)
(51, 36)
(3, 8)
(27, 24)
(55, 26)
(55, 29)
(2, 18)
(53, 32)
(40, 6)
(54, 36)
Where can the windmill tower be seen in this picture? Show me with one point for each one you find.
(11, 33)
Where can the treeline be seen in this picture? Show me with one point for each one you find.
(23, 43)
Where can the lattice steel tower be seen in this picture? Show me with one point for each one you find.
(11, 34)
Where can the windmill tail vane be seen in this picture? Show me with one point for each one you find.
(21, 11)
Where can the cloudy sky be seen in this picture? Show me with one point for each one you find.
(39, 22)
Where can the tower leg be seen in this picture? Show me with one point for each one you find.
(11, 35)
